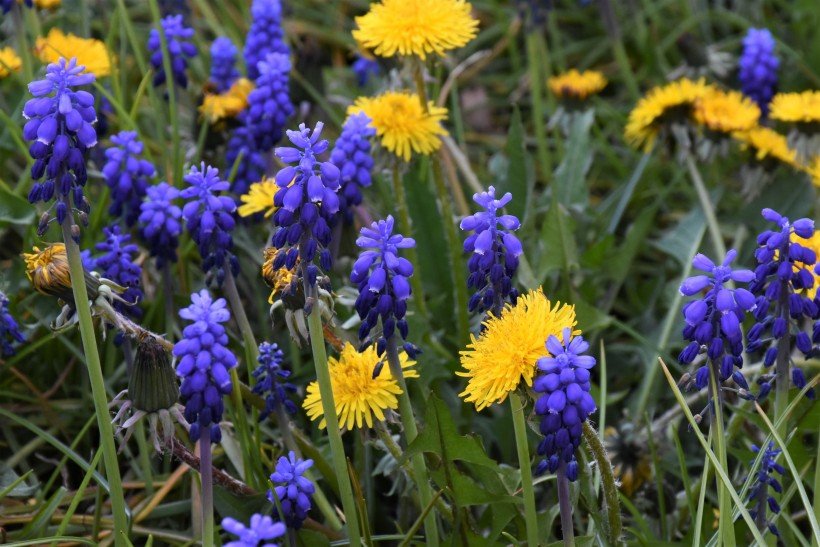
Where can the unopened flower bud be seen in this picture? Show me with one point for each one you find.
(153, 384)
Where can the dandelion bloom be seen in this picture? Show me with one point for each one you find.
(359, 395)
(402, 124)
(89, 52)
(509, 347)
(726, 111)
(659, 106)
(767, 143)
(577, 85)
(259, 199)
(9, 62)
(416, 27)
(796, 107)
(217, 106)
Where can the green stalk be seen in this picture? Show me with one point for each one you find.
(317, 345)
(412, 255)
(611, 499)
(783, 378)
(206, 476)
(408, 420)
(726, 526)
(23, 44)
(816, 504)
(706, 205)
(565, 506)
(536, 98)
(95, 375)
(524, 463)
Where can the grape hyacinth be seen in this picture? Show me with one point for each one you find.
(269, 103)
(271, 381)
(160, 222)
(265, 34)
(117, 264)
(383, 292)
(565, 403)
(209, 219)
(203, 363)
(758, 67)
(9, 329)
(783, 281)
(6, 5)
(251, 167)
(295, 494)
(260, 529)
(306, 200)
(223, 64)
(713, 321)
(126, 174)
(758, 493)
(60, 126)
(179, 50)
(351, 154)
(363, 67)
(495, 253)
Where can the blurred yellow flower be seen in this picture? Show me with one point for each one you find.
(89, 52)
(216, 106)
(401, 123)
(9, 62)
(726, 111)
(359, 396)
(506, 352)
(660, 105)
(47, 4)
(767, 143)
(259, 199)
(416, 27)
(796, 107)
(813, 169)
(577, 85)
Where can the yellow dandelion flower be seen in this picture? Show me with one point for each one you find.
(48, 271)
(812, 243)
(217, 106)
(277, 280)
(577, 85)
(416, 27)
(359, 397)
(47, 4)
(767, 143)
(89, 52)
(402, 124)
(507, 350)
(796, 107)
(658, 106)
(9, 62)
(726, 111)
(259, 199)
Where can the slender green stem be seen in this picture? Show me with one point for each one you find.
(536, 98)
(412, 255)
(611, 500)
(206, 475)
(524, 463)
(23, 44)
(408, 420)
(727, 530)
(565, 506)
(816, 504)
(317, 345)
(92, 357)
(782, 376)
(706, 205)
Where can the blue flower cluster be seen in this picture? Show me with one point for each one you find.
(363, 67)
(223, 64)
(713, 321)
(495, 253)
(159, 218)
(117, 264)
(179, 50)
(758, 67)
(60, 126)
(783, 279)
(209, 219)
(306, 200)
(383, 292)
(126, 174)
(6, 5)
(261, 528)
(203, 363)
(251, 165)
(9, 329)
(265, 35)
(294, 491)
(758, 493)
(565, 403)
(271, 380)
(269, 103)
(351, 154)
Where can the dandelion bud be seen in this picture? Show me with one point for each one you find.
(153, 384)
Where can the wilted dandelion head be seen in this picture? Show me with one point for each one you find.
(278, 279)
(577, 85)
(48, 270)
(726, 111)
(88, 51)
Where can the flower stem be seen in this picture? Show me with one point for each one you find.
(524, 462)
(706, 205)
(206, 476)
(317, 345)
(408, 420)
(610, 487)
(565, 506)
(92, 358)
(782, 377)
(412, 254)
(726, 527)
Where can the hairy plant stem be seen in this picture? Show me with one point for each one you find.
(565, 506)
(95, 375)
(727, 531)
(408, 420)
(412, 254)
(206, 475)
(611, 501)
(524, 463)
(708, 208)
(317, 345)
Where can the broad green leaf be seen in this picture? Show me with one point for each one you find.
(241, 508)
(681, 241)
(620, 263)
(13, 485)
(558, 248)
(14, 209)
(520, 178)
(570, 184)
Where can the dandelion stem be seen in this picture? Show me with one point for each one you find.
(408, 420)
(726, 527)
(206, 476)
(92, 358)
(706, 205)
(524, 463)
(565, 506)
(317, 345)
(412, 254)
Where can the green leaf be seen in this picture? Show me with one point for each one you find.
(241, 508)
(37, 526)
(559, 250)
(14, 209)
(13, 485)
(570, 184)
(678, 243)
(520, 179)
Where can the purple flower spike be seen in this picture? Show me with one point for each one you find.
(758, 67)
(293, 490)
(260, 529)
(180, 50)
